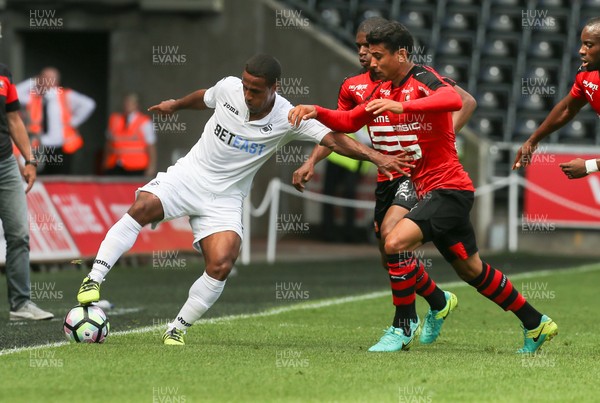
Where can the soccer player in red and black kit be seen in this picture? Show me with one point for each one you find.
(394, 198)
(420, 123)
(585, 88)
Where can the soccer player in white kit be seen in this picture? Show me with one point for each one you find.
(209, 184)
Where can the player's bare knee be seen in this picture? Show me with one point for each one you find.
(394, 244)
(145, 210)
(466, 270)
(385, 231)
(220, 269)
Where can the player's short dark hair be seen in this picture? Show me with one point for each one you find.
(370, 24)
(265, 66)
(593, 22)
(393, 36)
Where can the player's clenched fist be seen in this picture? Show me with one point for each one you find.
(166, 107)
(301, 112)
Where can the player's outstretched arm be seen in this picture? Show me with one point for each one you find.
(344, 145)
(562, 113)
(461, 117)
(343, 121)
(305, 173)
(444, 99)
(195, 100)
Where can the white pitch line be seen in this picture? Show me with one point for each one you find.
(311, 305)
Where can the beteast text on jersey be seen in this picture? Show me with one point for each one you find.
(238, 142)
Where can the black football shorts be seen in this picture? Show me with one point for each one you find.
(443, 217)
(397, 192)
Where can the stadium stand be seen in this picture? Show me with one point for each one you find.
(517, 57)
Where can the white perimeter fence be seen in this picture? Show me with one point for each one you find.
(485, 192)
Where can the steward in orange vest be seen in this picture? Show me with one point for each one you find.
(73, 140)
(126, 143)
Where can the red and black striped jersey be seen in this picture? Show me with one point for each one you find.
(355, 90)
(424, 129)
(585, 87)
(9, 102)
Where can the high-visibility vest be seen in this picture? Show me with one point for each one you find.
(72, 139)
(127, 144)
(350, 164)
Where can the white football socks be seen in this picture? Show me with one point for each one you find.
(119, 239)
(203, 294)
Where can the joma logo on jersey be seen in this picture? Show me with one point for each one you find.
(238, 142)
(231, 108)
(381, 119)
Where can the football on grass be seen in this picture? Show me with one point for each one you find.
(86, 324)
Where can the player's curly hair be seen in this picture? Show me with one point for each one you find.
(370, 24)
(593, 22)
(393, 36)
(265, 66)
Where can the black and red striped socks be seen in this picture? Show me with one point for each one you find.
(494, 285)
(402, 269)
(426, 288)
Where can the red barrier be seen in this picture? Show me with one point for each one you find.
(69, 219)
(545, 172)
(90, 209)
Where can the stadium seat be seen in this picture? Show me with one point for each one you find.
(332, 17)
(416, 20)
(496, 73)
(549, 4)
(509, 3)
(335, 12)
(454, 46)
(460, 21)
(456, 73)
(457, 68)
(578, 131)
(490, 125)
(373, 8)
(543, 74)
(463, 3)
(502, 23)
(497, 48)
(542, 48)
(534, 102)
(524, 127)
(492, 99)
(422, 2)
(492, 74)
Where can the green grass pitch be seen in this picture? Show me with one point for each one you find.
(258, 345)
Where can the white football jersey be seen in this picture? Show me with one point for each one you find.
(232, 149)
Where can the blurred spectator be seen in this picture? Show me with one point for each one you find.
(130, 147)
(53, 115)
(13, 209)
(342, 177)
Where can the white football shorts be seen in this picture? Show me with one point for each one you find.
(209, 213)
